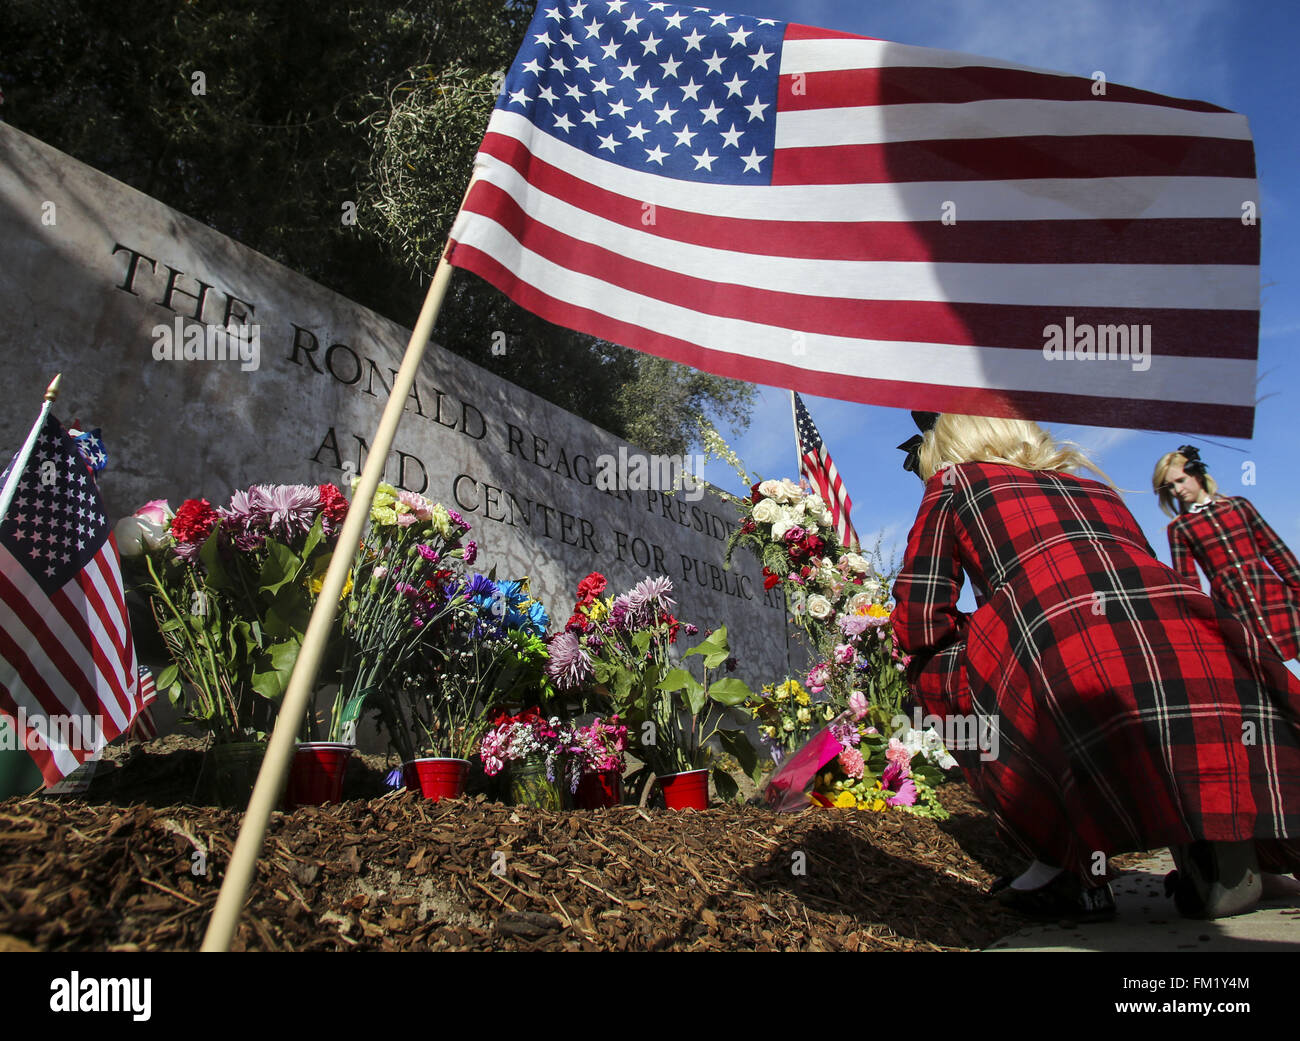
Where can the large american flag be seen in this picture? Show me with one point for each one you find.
(816, 464)
(870, 221)
(66, 654)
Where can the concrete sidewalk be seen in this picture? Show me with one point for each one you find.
(1147, 921)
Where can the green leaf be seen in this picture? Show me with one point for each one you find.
(314, 536)
(217, 576)
(641, 641)
(271, 676)
(281, 566)
(713, 660)
(730, 691)
(696, 697)
(725, 784)
(677, 679)
(167, 677)
(737, 743)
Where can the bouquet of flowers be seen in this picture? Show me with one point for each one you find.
(528, 735)
(490, 649)
(621, 647)
(878, 770)
(406, 582)
(232, 589)
(792, 533)
(788, 717)
(835, 596)
(598, 747)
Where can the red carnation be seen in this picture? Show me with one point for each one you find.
(771, 580)
(194, 521)
(814, 544)
(577, 623)
(333, 504)
(747, 526)
(753, 494)
(673, 626)
(591, 587)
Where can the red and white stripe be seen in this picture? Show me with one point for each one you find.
(839, 279)
(69, 654)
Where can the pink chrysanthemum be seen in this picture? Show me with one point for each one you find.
(570, 666)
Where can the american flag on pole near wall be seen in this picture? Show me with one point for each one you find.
(870, 221)
(68, 679)
(816, 464)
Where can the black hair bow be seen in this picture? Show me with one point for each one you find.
(1194, 465)
(912, 446)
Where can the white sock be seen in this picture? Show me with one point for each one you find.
(1036, 876)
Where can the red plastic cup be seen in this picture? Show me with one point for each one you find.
(686, 791)
(437, 778)
(599, 791)
(316, 776)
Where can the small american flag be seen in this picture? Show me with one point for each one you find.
(816, 464)
(143, 728)
(874, 222)
(68, 676)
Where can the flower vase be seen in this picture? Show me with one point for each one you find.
(598, 791)
(437, 778)
(686, 791)
(316, 776)
(233, 772)
(529, 785)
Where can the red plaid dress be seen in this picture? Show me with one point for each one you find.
(1130, 711)
(1231, 542)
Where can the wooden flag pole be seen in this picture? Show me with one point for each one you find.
(279, 753)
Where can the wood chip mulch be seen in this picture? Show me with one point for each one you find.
(401, 873)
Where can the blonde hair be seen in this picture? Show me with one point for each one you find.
(986, 439)
(1171, 505)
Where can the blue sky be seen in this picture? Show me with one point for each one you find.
(1235, 53)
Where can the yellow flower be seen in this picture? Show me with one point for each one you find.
(845, 801)
(597, 610)
(441, 522)
(876, 611)
(803, 698)
(879, 806)
(317, 581)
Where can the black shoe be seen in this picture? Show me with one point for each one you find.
(1214, 879)
(1063, 898)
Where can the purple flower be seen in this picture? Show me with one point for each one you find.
(284, 509)
(691, 630)
(394, 778)
(570, 666)
(471, 551)
(651, 594)
(618, 611)
(428, 553)
(852, 624)
(456, 518)
(845, 733)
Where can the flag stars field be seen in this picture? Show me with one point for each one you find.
(658, 51)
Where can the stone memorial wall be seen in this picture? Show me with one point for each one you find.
(133, 301)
